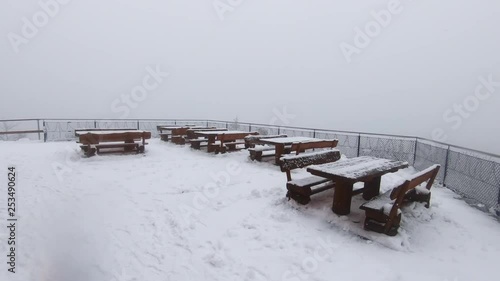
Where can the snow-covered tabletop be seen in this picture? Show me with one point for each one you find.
(356, 169)
(168, 128)
(215, 133)
(108, 132)
(290, 140)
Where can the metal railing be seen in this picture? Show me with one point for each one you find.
(471, 173)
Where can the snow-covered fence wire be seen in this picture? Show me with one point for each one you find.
(471, 173)
(15, 129)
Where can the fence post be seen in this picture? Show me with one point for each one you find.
(279, 130)
(138, 126)
(446, 165)
(38, 126)
(314, 133)
(249, 128)
(359, 143)
(415, 152)
(95, 124)
(44, 132)
(498, 204)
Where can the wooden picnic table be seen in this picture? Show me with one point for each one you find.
(225, 139)
(179, 134)
(176, 127)
(167, 128)
(213, 135)
(281, 143)
(345, 173)
(191, 132)
(92, 140)
(77, 131)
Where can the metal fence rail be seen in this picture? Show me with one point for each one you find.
(471, 173)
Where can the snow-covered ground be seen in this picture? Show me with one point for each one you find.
(178, 214)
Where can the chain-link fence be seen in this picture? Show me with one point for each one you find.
(473, 174)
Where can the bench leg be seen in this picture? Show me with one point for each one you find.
(90, 151)
(372, 188)
(342, 198)
(210, 148)
(279, 151)
(299, 198)
(129, 148)
(258, 156)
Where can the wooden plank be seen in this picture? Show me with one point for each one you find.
(357, 169)
(94, 138)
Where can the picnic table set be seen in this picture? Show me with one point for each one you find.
(319, 157)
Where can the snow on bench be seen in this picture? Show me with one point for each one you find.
(301, 189)
(383, 213)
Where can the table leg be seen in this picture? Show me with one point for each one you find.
(342, 198)
(279, 151)
(372, 188)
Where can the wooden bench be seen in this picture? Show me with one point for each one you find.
(303, 146)
(138, 147)
(228, 142)
(383, 213)
(257, 152)
(252, 141)
(77, 131)
(191, 133)
(164, 136)
(198, 143)
(301, 190)
(178, 135)
(93, 142)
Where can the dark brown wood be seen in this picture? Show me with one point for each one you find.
(379, 221)
(279, 150)
(96, 138)
(95, 141)
(372, 188)
(217, 140)
(283, 144)
(342, 197)
(251, 141)
(361, 169)
(353, 170)
(257, 153)
(197, 143)
(302, 190)
(78, 131)
(302, 147)
(178, 139)
(191, 133)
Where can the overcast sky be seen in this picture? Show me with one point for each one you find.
(366, 65)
